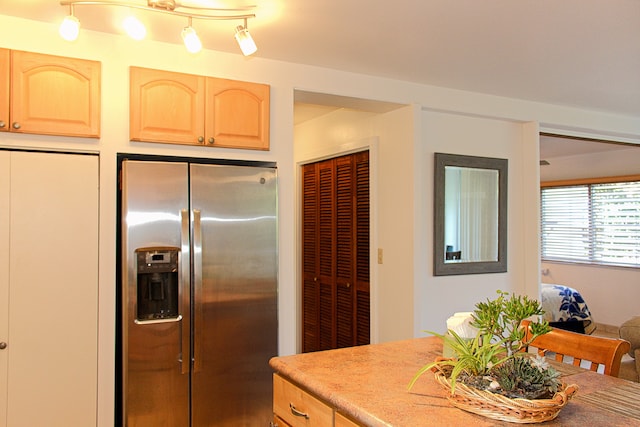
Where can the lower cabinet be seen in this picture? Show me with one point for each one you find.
(48, 289)
(279, 422)
(295, 407)
(342, 421)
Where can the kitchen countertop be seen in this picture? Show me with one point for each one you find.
(369, 384)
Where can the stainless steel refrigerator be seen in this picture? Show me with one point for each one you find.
(198, 293)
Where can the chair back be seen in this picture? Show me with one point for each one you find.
(587, 351)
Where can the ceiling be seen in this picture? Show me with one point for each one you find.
(580, 53)
(552, 147)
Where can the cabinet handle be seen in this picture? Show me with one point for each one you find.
(16, 125)
(184, 294)
(198, 315)
(2, 124)
(297, 413)
(212, 140)
(201, 139)
(3, 345)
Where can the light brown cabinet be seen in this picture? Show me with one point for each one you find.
(51, 95)
(5, 61)
(342, 421)
(279, 422)
(189, 109)
(295, 407)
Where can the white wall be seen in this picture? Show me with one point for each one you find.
(450, 121)
(389, 138)
(451, 133)
(407, 297)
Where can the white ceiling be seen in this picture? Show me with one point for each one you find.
(582, 53)
(552, 147)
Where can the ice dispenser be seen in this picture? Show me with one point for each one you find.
(157, 283)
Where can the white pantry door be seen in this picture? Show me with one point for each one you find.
(48, 289)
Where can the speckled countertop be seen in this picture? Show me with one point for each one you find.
(369, 384)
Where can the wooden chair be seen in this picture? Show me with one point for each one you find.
(586, 350)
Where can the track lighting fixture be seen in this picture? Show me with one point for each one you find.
(134, 28)
(70, 27)
(244, 39)
(191, 40)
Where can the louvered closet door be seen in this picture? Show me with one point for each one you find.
(336, 253)
(310, 258)
(362, 250)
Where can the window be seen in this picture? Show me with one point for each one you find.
(596, 223)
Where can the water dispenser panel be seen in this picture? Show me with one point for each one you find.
(157, 283)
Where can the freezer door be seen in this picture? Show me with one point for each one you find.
(235, 312)
(155, 339)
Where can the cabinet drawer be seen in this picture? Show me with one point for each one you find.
(342, 421)
(279, 422)
(297, 407)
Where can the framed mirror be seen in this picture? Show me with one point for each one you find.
(470, 226)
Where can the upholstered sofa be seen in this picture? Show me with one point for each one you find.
(630, 331)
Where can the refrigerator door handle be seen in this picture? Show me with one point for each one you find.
(151, 322)
(197, 291)
(185, 293)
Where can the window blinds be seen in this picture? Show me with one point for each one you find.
(596, 223)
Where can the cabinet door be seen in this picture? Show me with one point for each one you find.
(4, 89)
(53, 298)
(5, 180)
(54, 95)
(237, 114)
(342, 421)
(166, 107)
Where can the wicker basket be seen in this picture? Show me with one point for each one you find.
(499, 407)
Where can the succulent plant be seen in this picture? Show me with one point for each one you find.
(500, 319)
(527, 377)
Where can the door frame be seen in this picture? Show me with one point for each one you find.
(370, 144)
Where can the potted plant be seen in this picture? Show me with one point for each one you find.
(492, 374)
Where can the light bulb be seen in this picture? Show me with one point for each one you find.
(191, 40)
(134, 28)
(69, 28)
(245, 41)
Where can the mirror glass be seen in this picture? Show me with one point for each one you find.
(470, 214)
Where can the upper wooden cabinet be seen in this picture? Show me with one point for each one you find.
(48, 94)
(189, 109)
(237, 114)
(166, 106)
(5, 61)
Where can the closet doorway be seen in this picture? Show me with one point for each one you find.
(335, 253)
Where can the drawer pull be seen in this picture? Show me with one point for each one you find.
(297, 413)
